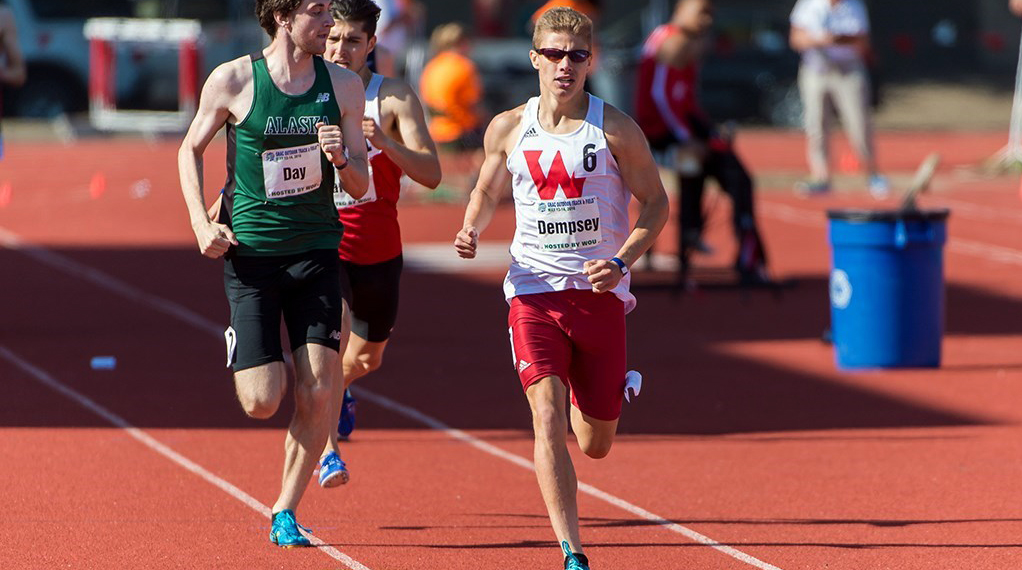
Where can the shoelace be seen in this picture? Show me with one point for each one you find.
(333, 459)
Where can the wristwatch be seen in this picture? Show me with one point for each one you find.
(621, 265)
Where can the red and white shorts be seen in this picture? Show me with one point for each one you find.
(578, 336)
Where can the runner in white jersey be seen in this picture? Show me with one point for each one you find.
(574, 163)
(564, 220)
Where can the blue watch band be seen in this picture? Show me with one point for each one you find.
(621, 265)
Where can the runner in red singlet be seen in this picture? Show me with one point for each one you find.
(399, 142)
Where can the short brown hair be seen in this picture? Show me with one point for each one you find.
(447, 36)
(563, 20)
(364, 11)
(265, 9)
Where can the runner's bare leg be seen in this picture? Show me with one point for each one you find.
(554, 469)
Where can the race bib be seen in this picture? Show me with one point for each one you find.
(344, 200)
(569, 224)
(292, 171)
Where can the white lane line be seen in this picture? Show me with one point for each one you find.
(520, 461)
(818, 219)
(439, 257)
(986, 251)
(67, 265)
(202, 323)
(793, 215)
(977, 211)
(149, 441)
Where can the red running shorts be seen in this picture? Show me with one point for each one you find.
(578, 336)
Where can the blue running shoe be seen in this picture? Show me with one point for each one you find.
(573, 561)
(332, 471)
(346, 424)
(285, 533)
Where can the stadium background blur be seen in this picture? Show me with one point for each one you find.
(746, 432)
(940, 52)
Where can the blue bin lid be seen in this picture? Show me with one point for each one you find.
(862, 215)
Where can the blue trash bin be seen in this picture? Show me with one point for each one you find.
(887, 287)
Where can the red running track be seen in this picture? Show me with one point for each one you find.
(745, 432)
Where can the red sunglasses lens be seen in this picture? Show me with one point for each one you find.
(578, 55)
(555, 55)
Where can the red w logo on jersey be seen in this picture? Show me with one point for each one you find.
(547, 184)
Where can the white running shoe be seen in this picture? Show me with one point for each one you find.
(633, 385)
(879, 187)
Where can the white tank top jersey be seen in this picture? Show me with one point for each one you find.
(372, 111)
(570, 206)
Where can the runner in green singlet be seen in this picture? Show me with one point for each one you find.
(287, 114)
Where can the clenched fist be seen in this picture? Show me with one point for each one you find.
(332, 142)
(374, 133)
(603, 274)
(466, 241)
(214, 239)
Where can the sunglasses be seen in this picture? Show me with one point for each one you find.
(556, 55)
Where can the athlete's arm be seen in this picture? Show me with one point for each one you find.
(222, 87)
(801, 40)
(13, 70)
(640, 175)
(494, 180)
(351, 99)
(679, 50)
(416, 153)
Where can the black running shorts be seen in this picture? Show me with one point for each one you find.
(306, 288)
(374, 297)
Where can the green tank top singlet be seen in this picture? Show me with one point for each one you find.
(279, 191)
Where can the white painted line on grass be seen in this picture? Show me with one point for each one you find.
(149, 441)
(60, 262)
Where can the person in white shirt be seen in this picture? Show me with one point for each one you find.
(833, 38)
(573, 164)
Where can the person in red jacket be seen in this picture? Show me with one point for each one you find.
(684, 138)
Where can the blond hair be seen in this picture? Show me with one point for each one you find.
(447, 36)
(565, 20)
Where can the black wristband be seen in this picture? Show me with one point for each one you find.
(341, 167)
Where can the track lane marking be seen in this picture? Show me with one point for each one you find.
(586, 488)
(152, 443)
(67, 265)
(817, 219)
